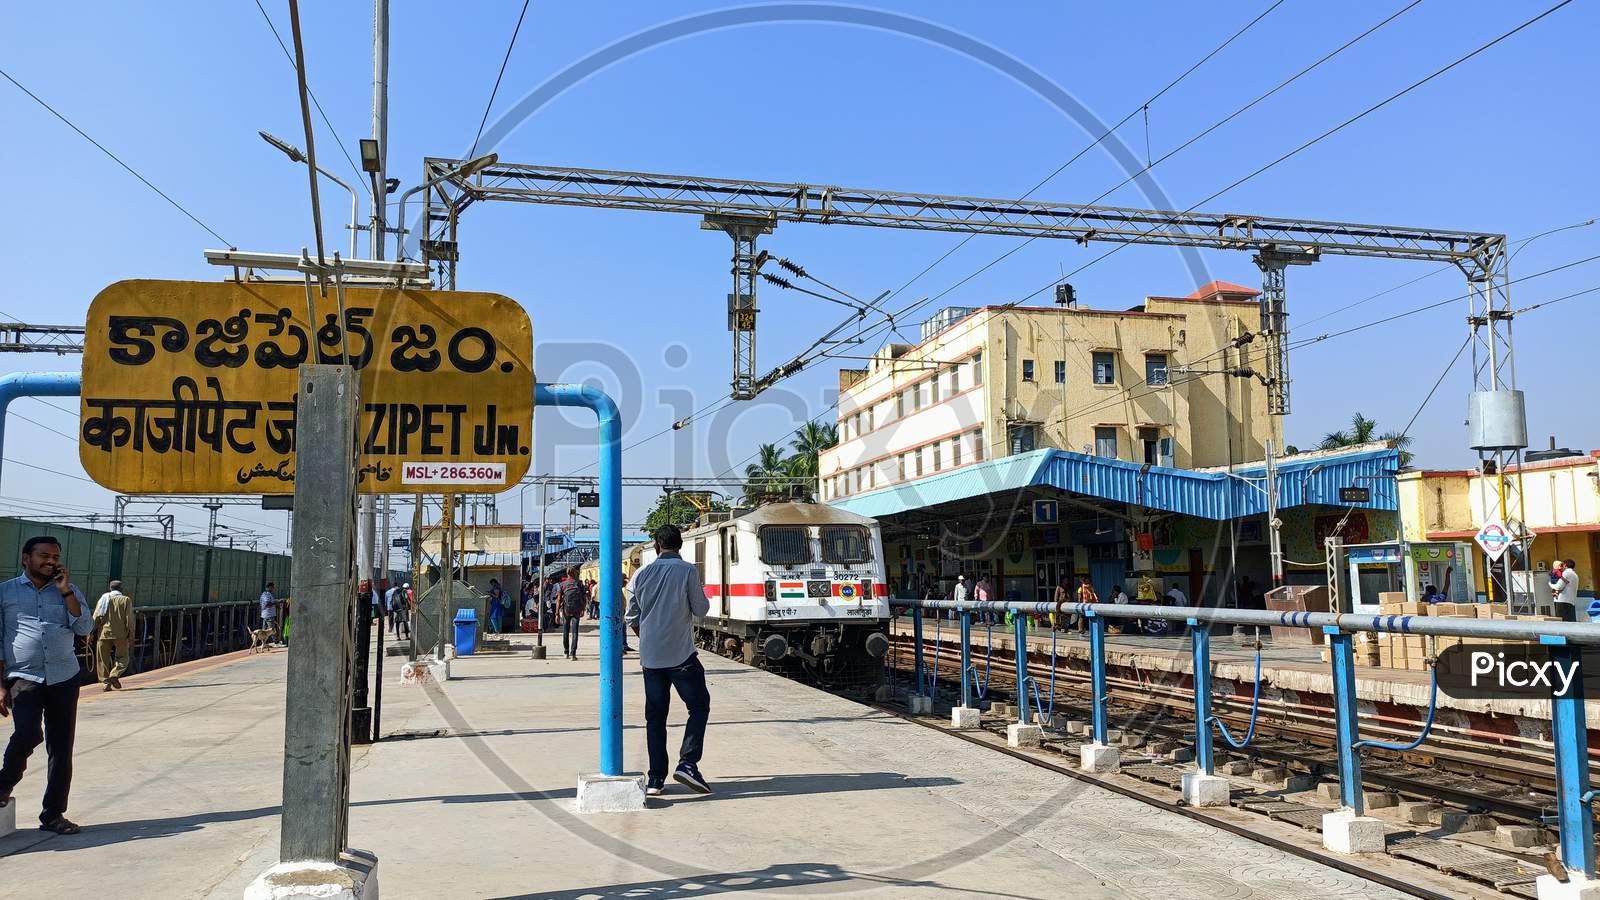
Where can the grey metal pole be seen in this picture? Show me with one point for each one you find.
(380, 120)
(316, 764)
(1272, 517)
(544, 545)
(447, 564)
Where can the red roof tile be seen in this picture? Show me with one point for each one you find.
(1224, 289)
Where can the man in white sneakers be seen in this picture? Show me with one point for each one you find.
(667, 595)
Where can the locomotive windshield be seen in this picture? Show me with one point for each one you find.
(785, 545)
(845, 545)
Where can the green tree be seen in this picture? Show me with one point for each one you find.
(678, 509)
(1363, 430)
(809, 441)
(768, 476)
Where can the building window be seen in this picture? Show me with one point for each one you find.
(1150, 444)
(977, 368)
(1105, 368)
(1061, 371)
(1105, 442)
(933, 389)
(1023, 438)
(900, 404)
(917, 455)
(977, 445)
(1027, 370)
(955, 452)
(937, 465)
(955, 380)
(1155, 368)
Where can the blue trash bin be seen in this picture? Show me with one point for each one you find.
(466, 631)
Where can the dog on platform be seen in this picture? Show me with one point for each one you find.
(260, 640)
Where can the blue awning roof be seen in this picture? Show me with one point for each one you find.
(1203, 494)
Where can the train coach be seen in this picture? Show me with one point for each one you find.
(794, 587)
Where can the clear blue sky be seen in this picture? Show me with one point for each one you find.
(1503, 143)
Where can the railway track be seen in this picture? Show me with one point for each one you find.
(1513, 782)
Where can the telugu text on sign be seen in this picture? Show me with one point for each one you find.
(189, 387)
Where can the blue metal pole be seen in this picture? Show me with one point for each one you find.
(1097, 675)
(1341, 648)
(966, 659)
(1019, 624)
(610, 447)
(916, 643)
(1200, 637)
(1571, 738)
(35, 384)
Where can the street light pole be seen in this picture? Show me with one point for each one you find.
(294, 154)
(467, 169)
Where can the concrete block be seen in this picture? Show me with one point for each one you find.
(1270, 774)
(1161, 748)
(1077, 726)
(1294, 784)
(537, 651)
(355, 877)
(883, 694)
(1345, 832)
(1114, 736)
(1020, 735)
(1200, 789)
(1099, 758)
(1519, 837)
(1455, 821)
(1416, 812)
(1181, 754)
(964, 717)
(610, 793)
(1576, 887)
(1131, 741)
(1328, 790)
(1003, 710)
(921, 705)
(1373, 799)
(8, 819)
(1236, 767)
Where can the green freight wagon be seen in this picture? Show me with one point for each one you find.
(191, 600)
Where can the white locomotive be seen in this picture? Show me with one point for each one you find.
(795, 587)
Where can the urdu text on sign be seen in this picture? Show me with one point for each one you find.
(190, 387)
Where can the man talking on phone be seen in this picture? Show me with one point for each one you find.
(40, 612)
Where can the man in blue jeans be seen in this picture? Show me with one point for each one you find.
(667, 595)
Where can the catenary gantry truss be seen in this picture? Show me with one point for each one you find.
(746, 209)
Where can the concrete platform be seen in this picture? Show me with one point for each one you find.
(472, 794)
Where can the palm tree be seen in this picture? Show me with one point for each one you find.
(1363, 430)
(767, 475)
(809, 441)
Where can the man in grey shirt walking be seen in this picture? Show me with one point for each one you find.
(667, 595)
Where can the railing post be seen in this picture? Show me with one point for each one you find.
(1200, 636)
(1340, 648)
(916, 644)
(1571, 738)
(966, 658)
(1020, 634)
(1097, 675)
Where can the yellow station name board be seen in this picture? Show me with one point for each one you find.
(190, 387)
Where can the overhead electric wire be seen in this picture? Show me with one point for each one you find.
(490, 105)
(1316, 140)
(1435, 305)
(1143, 107)
(361, 178)
(114, 158)
(1438, 381)
(1520, 244)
